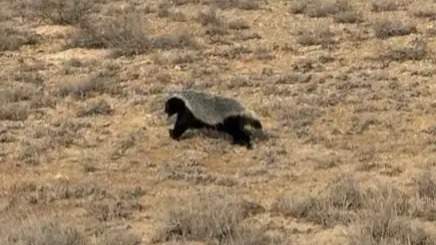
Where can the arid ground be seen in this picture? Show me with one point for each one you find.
(345, 91)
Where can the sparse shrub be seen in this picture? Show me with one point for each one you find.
(387, 229)
(350, 16)
(384, 5)
(209, 17)
(119, 237)
(175, 41)
(415, 50)
(12, 39)
(423, 10)
(126, 34)
(62, 11)
(163, 9)
(337, 205)
(240, 4)
(18, 111)
(316, 35)
(319, 8)
(175, 58)
(386, 28)
(99, 107)
(40, 231)
(426, 186)
(85, 86)
(238, 24)
(298, 6)
(209, 218)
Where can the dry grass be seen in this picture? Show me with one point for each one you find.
(384, 229)
(335, 205)
(341, 88)
(12, 39)
(317, 8)
(414, 50)
(240, 4)
(384, 5)
(61, 12)
(423, 10)
(349, 16)
(214, 218)
(125, 34)
(316, 35)
(426, 185)
(18, 111)
(385, 28)
(98, 107)
(40, 231)
(89, 85)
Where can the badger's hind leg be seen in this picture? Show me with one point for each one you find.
(235, 127)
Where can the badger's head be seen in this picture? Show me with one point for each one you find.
(173, 106)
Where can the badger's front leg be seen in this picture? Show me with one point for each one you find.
(182, 124)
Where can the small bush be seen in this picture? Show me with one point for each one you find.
(240, 4)
(40, 232)
(125, 34)
(11, 39)
(426, 186)
(350, 16)
(18, 111)
(175, 41)
(316, 35)
(385, 229)
(386, 28)
(99, 107)
(423, 10)
(209, 17)
(62, 11)
(337, 205)
(318, 8)
(384, 5)
(208, 218)
(95, 83)
(119, 237)
(415, 50)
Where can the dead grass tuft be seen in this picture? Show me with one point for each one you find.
(208, 218)
(335, 205)
(18, 111)
(386, 28)
(423, 10)
(40, 231)
(12, 39)
(240, 4)
(119, 237)
(385, 228)
(414, 50)
(319, 34)
(126, 34)
(318, 8)
(426, 186)
(99, 107)
(349, 16)
(384, 5)
(86, 86)
(61, 12)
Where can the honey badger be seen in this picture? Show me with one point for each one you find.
(196, 109)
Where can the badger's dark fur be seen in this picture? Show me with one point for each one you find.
(199, 110)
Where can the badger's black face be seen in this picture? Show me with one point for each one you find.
(256, 124)
(173, 106)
